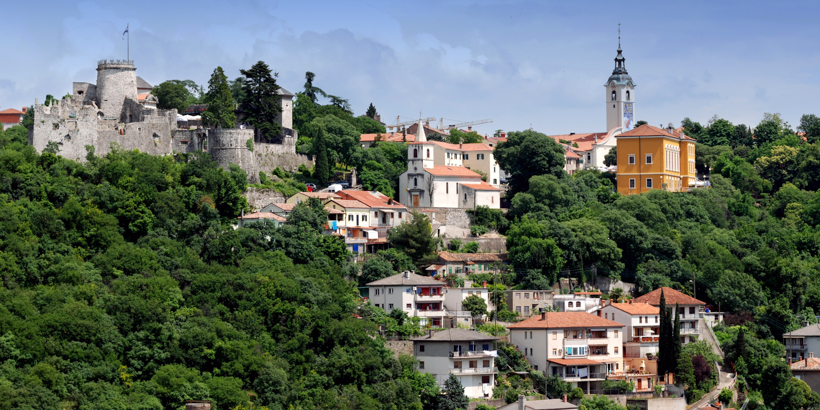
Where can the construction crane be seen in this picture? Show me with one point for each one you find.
(401, 124)
(463, 124)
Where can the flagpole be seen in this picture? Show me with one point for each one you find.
(128, 55)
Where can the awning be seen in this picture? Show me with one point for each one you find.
(371, 234)
(574, 362)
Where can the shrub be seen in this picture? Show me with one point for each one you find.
(478, 230)
(470, 247)
(454, 245)
(725, 396)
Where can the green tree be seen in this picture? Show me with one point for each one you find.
(28, 118)
(476, 305)
(453, 398)
(719, 132)
(374, 269)
(321, 172)
(675, 345)
(220, 112)
(664, 347)
(457, 136)
(611, 157)
(171, 95)
(262, 102)
(527, 154)
(311, 91)
(415, 238)
(810, 125)
(640, 122)
(599, 402)
(772, 128)
(371, 111)
(686, 372)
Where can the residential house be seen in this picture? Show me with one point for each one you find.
(691, 310)
(803, 342)
(463, 264)
(418, 296)
(11, 117)
(281, 209)
(577, 302)
(640, 339)
(654, 158)
(436, 176)
(456, 313)
(261, 216)
(385, 212)
(304, 196)
(548, 404)
(353, 223)
(467, 354)
(529, 302)
(367, 140)
(808, 370)
(579, 347)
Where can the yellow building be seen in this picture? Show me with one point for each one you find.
(654, 158)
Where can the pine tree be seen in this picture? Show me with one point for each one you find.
(371, 111)
(676, 344)
(322, 170)
(454, 398)
(262, 102)
(663, 349)
(220, 112)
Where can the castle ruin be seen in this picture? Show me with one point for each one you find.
(109, 114)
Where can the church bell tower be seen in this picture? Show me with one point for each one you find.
(620, 95)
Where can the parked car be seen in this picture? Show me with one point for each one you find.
(344, 184)
(310, 187)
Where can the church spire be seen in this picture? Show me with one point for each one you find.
(420, 137)
(620, 61)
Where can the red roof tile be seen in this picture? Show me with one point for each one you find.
(452, 171)
(564, 320)
(11, 111)
(573, 362)
(349, 203)
(373, 199)
(475, 257)
(647, 130)
(481, 186)
(810, 363)
(637, 308)
(263, 215)
(476, 146)
(672, 297)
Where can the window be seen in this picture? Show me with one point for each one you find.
(526, 310)
(518, 295)
(408, 306)
(656, 319)
(390, 306)
(525, 335)
(518, 309)
(631, 159)
(640, 319)
(554, 335)
(421, 348)
(473, 364)
(530, 334)
(485, 347)
(421, 365)
(446, 187)
(627, 95)
(555, 352)
(486, 379)
(448, 155)
(390, 291)
(616, 332)
(465, 197)
(495, 181)
(631, 183)
(526, 295)
(691, 310)
(415, 152)
(613, 96)
(467, 156)
(399, 215)
(457, 364)
(377, 292)
(648, 159)
(364, 218)
(428, 152)
(649, 182)
(350, 218)
(616, 349)
(485, 363)
(415, 181)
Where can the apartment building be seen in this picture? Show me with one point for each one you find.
(463, 264)
(579, 347)
(802, 343)
(691, 310)
(453, 304)
(529, 302)
(418, 296)
(654, 158)
(640, 341)
(467, 354)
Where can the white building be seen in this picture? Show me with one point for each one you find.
(467, 354)
(438, 175)
(579, 347)
(453, 303)
(418, 296)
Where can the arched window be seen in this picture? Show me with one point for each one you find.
(415, 152)
(627, 95)
(428, 152)
(613, 96)
(415, 182)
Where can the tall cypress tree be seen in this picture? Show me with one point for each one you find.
(262, 102)
(220, 102)
(663, 349)
(322, 170)
(676, 344)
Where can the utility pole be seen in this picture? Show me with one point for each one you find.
(694, 286)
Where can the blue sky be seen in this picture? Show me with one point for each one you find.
(522, 63)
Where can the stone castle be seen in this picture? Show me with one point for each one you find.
(109, 114)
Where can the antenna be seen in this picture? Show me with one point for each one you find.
(619, 35)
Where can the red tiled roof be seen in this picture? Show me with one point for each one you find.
(439, 143)
(319, 195)
(373, 199)
(475, 257)
(570, 154)
(476, 146)
(263, 215)
(11, 111)
(637, 308)
(573, 362)
(349, 203)
(672, 297)
(284, 207)
(388, 136)
(333, 211)
(809, 363)
(647, 130)
(563, 320)
(481, 186)
(451, 171)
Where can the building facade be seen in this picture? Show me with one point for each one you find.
(654, 158)
(467, 354)
(802, 343)
(691, 310)
(416, 295)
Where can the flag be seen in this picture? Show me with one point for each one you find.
(126, 31)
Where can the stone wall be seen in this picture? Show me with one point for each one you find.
(492, 403)
(260, 198)
(399, 347)
(116, 83)
(659, 403)
(484, 244)
(457, 217)
(284, 156)
(230, 146)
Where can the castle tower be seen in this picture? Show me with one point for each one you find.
(620, 95)
(116, 82)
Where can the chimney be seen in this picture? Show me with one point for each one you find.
(503, 135)
(460, 145)
(484, 284)
(543, 315)
(564, 398)
(470, 128)
(406, 274)
(521, 402)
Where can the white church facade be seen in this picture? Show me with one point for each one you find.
(442, 175)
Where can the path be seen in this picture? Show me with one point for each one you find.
(725, 380)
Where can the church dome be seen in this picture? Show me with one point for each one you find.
(619, 74)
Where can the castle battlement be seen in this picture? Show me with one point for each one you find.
(107, 64)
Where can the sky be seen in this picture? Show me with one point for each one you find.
(539, 64)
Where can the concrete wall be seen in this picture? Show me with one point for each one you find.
(659, 403)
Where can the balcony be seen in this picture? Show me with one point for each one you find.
(689, 331)
(475, 370)
(459, 355)
(796, 347)
(429, 312)
(573, 377)
(647, 339)
(428, 298)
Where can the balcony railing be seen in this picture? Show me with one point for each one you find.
(575, 342)
(418, 297)
(689, 330)
(473, 354)
(475, 370)
(589, 376)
